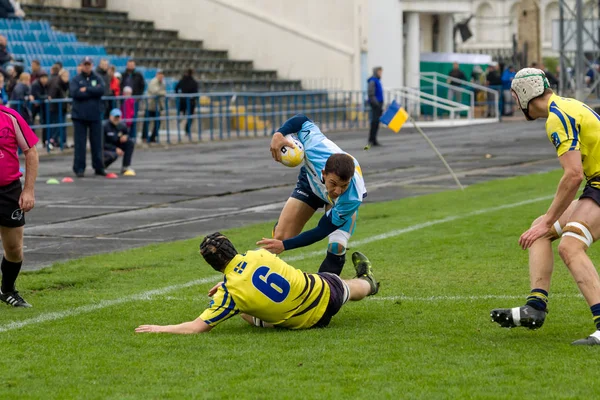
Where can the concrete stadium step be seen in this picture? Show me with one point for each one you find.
(158, 48)
(80, 12)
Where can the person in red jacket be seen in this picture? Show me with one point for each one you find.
(128, 109)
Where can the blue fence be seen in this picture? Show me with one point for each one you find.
(207, 116)
(199, 117)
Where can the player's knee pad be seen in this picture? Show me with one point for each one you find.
(555, 232)
(579, 231)
(338, 241)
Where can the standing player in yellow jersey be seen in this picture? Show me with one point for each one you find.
(574, 130)
(270, 293)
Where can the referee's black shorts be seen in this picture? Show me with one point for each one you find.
(11, 215)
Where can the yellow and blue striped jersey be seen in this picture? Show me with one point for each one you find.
(262, 285)
(572, 125)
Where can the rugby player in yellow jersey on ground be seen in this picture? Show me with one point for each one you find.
(574, 129)
(268, 292)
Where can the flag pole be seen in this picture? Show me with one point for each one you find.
(437, 152)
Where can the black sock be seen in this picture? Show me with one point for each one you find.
(333, 263)
(10, 271)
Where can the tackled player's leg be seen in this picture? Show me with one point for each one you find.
(336, 250)
(541, 263)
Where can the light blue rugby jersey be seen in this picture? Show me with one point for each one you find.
(317, 149)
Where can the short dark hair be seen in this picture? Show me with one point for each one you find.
(36, 61)
(547, 91)
(217, 250)
(340, 164)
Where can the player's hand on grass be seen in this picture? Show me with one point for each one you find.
(214, 289)
(275, 246)
(534, 233)
(148, 329)
(278, 141)
(27, 200)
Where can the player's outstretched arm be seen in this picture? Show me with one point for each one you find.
(196, 326)
(27, 199)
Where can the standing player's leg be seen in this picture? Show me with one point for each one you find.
(336, 250)
(578, 235)
(541, 265)
(12, 242)
(299, 208)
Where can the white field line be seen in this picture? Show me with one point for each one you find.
(104, 303)
(466, 298)
(146, 295)
(398, 232)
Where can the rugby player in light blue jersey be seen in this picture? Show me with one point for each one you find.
(329, 178)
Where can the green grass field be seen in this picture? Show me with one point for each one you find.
(427, 334)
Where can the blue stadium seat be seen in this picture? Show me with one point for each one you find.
(16, 48)
(68, 49)
(3, 24)
(69, 62)
(14, 24)
(29, 37)
(51, 49)
(44, 37)
(14, 36)
(33, 25)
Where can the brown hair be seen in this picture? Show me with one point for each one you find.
(340, 164)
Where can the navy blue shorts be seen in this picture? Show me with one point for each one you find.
(339, 295)
(590, 192)
(11, 215)
(304, 193)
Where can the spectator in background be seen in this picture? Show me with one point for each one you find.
(115, 83)
(187, 105)
(19, 13)
(157, 89)
(128, 109)
(375, 93)
(14, 72)
(552, 80)
(86, 89)
(117, 142)
(5, 56)
(7, 10)
(507, 77)
(3, 93)
(22, 94)
(456, 73)
(54, 70)
(36, 70)
(58, 88)
(102, 71)
(39, 91)
(133, 79)
(493, 81)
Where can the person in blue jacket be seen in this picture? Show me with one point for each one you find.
(86, 89)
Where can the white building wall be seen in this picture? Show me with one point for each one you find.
(311, 39)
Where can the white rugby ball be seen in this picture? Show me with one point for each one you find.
(292, 156)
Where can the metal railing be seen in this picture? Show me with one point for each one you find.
(443, 83)
(211, 116)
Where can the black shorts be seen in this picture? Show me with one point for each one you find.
(339, 295)
(590, 192)
(304, 193)
(11, 215)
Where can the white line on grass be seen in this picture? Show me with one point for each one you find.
(146, 295)
(398, 232)
(465, 298)
(103, 304)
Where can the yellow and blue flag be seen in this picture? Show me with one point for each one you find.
(394, 117)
